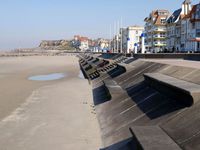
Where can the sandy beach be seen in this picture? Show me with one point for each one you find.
(45, 115)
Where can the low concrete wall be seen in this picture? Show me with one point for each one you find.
(187, 56)
(169, 56)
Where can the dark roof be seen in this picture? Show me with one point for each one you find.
(174, 16)
(187, 1)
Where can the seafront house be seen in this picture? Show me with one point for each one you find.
(81, 42)
(103, 45)
(131, 38)
(177, 27)
(174, 31)
(186, 29)
(193, 29)
(156, 31)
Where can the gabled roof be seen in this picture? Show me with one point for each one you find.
(173, 18)
(193, 12)
(157, 16)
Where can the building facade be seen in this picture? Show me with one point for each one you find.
(130, 37)
(103, 44)
(183, 29)
(174, 31)
(156, 31)
(191, 22)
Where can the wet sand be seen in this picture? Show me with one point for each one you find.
(45, 114)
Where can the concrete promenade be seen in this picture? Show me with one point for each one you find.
(46, 115)
(149, 104)
(176, 62)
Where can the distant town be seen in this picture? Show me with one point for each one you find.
(163, 32)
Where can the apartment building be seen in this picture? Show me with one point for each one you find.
(156, 31)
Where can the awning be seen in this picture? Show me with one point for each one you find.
(195, 39)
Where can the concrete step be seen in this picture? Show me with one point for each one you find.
(101, 94)
(153, 138)
(184, 92)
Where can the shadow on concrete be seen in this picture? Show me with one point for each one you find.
(107, 55)
(94, 75)
(152, 103)
(130, 60)
(84, 73)
(103, 63)
(117, 71)
(128, 144)
(101, 95)
(195, 57)
(88, 68)
(95, 61)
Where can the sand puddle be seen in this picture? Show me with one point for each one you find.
(48, 77)
(81, 76)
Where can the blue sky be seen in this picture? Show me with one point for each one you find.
(24, 23)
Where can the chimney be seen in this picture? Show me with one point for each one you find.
(186, 7)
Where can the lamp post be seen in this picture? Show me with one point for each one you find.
(143, 41)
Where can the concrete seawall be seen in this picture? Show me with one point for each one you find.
(135, 103)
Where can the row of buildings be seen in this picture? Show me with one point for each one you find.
(163, 32)
(84, 43)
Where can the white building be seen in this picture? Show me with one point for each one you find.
(84, 45)
(103, 44)
(131, 38)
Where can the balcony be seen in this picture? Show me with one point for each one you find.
(157, 43)
(159, 29)
(158, 36)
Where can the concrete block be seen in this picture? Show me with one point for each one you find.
(184, 92)
(153, 138)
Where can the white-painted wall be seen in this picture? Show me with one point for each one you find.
(133, 33)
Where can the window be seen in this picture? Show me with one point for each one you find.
(193, 25)
(162, 34)
(197, 25)
(198, 33)
(163, 21)
(162, 13)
